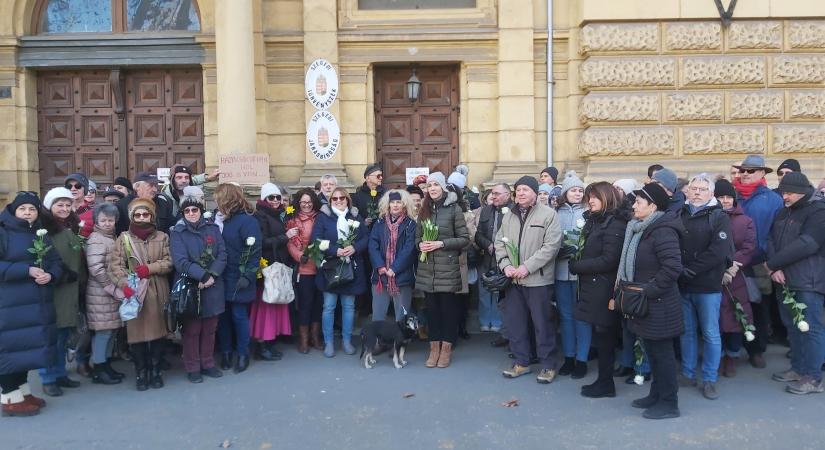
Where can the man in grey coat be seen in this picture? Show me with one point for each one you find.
(526, 247)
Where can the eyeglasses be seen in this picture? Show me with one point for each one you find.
(338, 199)
(272, 198)
(698, 189)
(304, 203)
(191, 210)
(378, 175)
(141, 214)
(74, 186)
(749, 171)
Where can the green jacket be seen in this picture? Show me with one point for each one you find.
(538, 240)
(442, 270)
(67, 289)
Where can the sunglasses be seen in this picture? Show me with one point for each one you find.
(191, 210)
(749, 171)
(378, 175)
(142, 214)
(338, 199)
(74, 186)
(272, 198)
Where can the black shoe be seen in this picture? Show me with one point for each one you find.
(212, 372)
(142, 380)
(194, 377)
(52, 390)
(226, 361)
(622, 372)
(157, 379)
(645, 402)
(268, 353)
(500, 341)
(567, 367)
(631, 379)
(100, 376)
(66, 382)
(661, 411)
(579, 370)
(112, 372)
(242, 363)
(599, 389)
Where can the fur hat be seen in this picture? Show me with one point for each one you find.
(54, 194)
(269, 189)
(141, 203)
(191, 200)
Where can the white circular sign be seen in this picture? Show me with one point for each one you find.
(323, 135)
(321, 84)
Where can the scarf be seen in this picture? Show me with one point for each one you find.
(632, 238)
(393, 224)
(746, 190)
(342, 225)
(303, 220)
(142, 230)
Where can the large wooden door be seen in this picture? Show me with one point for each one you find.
(420, 134)
(106, 124)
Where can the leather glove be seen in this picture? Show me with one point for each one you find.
(142, 271)
(243, 283)
(726, 278)
(128, 292)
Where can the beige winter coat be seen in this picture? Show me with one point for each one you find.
(154, 252)
(538, 240)
(102, 296)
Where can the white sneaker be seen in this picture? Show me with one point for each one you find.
(485, 328)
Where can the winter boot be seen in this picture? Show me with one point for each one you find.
(15, 404)
(140, 358)
(303, 339)
(567, 367)
(579, 370)
(100, 376)
(315, 336)
(435, 350)
(112, 372)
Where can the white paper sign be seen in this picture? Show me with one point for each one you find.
(323, 135)
(164, 173)
(413, 172)
(321, 84)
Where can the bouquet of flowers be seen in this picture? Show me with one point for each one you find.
(39, 247)
(429, 232)
(351, 233)
(315, 252)
(512, 251)
(798, 309)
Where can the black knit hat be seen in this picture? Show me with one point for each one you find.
(553, 172)
(371, 169)
(190, 200)
(723, 188)
(180, 168)
(528, 181)
(795, 183)
(24, 198)
(790, 164)
(123, 181)
(654, 193)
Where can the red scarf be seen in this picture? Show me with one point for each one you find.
(142, 230)
(746, 190)
(389, 255)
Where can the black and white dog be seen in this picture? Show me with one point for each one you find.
(398, 333)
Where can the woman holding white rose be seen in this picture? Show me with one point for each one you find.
(338, 224)
(575, 334)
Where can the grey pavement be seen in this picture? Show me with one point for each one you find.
(308, 401)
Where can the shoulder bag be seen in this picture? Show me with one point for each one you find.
(278, 284)
(631, 299)
(338, 272)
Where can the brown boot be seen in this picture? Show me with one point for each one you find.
(303, 339)
(435, 350)
(14, 404)
(29, 398)
(730, 366)
(315, 336)
(444, 356)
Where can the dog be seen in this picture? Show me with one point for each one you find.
(399, 333)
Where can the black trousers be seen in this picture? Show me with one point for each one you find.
(522, 304)
(443, 315)
(148, 354)
(606, 340)
(11, 382)
(663, 370)
(310, 301)
(761, 320)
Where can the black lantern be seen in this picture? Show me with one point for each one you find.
(413, 87)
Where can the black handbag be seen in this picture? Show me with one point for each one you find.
(338, 272)
(494, 280)
(632, 300)
(184, 302)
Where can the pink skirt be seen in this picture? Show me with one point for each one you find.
(267, 321)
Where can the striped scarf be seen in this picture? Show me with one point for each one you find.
(389, 256)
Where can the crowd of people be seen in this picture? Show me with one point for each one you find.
(651, 274)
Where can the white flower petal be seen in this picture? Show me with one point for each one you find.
(803, 326)
(638, 379)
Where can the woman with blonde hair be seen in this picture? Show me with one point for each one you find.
(242, 238)
(392, 253)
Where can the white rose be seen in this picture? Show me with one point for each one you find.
(749, 336)
(638, 379)
(803, 326)
(207, 215)
(82, 224)
(42, 232)
(580, 223)
(474, 189)
(323, 245)
(505, 240)
(250, 241)
(355, 225)
(505, 210)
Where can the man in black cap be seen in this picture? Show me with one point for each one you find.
(787, 166)
(533, 230)
(182, 177)
(796, 256)
(367, 196)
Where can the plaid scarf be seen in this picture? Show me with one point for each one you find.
(389, 255)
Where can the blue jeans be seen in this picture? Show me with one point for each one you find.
(235, 317)
(629, 353)
(701, 311)
(575, 334)
(807, 349)
(328, 316)
(488, 312)
(57, 368)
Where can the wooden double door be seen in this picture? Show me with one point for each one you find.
(111, 123)
(416, 134)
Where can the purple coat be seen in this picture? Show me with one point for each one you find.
(746, 249)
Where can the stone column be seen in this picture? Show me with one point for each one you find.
(516, 89)
(321, 41)
(236, 76)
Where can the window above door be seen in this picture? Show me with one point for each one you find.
(116, 16)
(433, 14)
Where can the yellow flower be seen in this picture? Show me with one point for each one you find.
(373, 193)
(290, 209)
(264, 262)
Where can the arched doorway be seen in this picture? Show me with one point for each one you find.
(119, 87)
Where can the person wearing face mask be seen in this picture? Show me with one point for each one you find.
(27, 331)
(392, 252)
(734, 287)
(309, 299)
(103, 298)
(62, 224)
(575, 334)
(143, 251)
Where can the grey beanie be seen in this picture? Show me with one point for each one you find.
(571, 180)
(666, 178)
(438, 177)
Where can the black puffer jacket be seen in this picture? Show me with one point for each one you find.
(604, 236)
(658, 266)
(273, 231)
(707, 249)
(796, 244)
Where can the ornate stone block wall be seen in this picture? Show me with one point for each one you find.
(686, 90)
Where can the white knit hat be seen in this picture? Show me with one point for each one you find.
(54, 194)
(458, 180)
(269, 189)
(627, 185)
